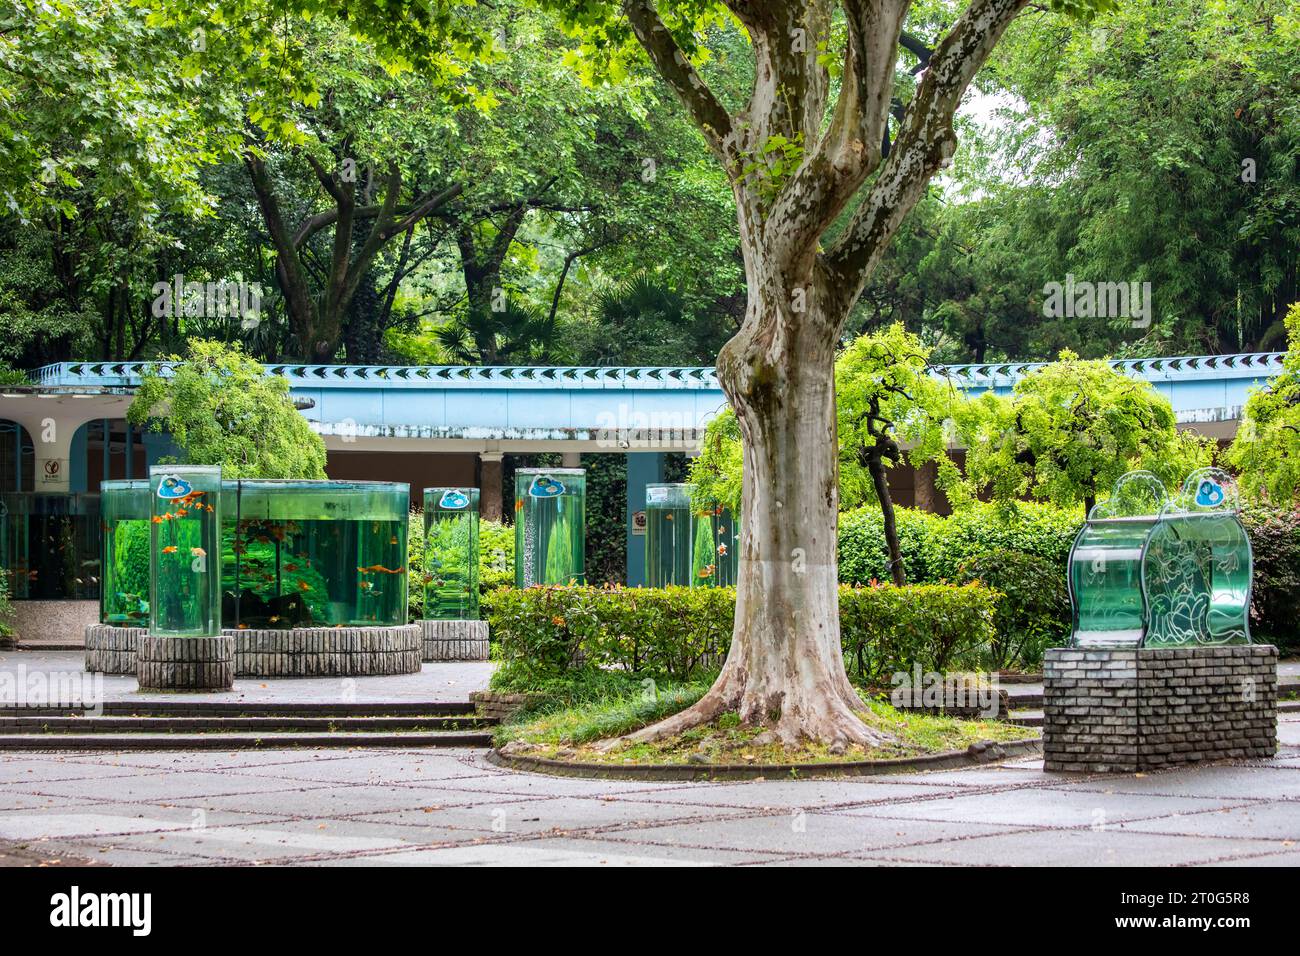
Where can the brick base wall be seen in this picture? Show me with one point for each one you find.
(327, 651)
(185, 663)
(110, 649)
(1140, 709)
(455, 640)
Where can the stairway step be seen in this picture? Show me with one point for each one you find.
(221, 708)
(172, 725)
(1026, 718)
(240, 741)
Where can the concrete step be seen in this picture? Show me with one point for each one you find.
(1026, 718)
(170, 707)
(288, 724)
(240, 741)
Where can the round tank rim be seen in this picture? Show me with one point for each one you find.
(550, 471)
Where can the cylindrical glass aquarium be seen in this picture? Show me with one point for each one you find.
(715, 546)
(451, 555)
(125, 510)
(184, 566)
(550, 514)
(668, 535)
(305, 553)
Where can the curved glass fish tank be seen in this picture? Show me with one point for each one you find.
(1150, 570)
(185, 538)
(451, 554)
(715, 546)
(307, 553)
(668, 537)
(125, 510)
(550, 526)
(49, 545)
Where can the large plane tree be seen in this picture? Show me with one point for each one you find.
(823, 137)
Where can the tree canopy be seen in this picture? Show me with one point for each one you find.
(221, 408)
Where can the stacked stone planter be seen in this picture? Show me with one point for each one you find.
(455, 640)
(185, 663)
(327, 652)
(112, 650)
(1113, 710)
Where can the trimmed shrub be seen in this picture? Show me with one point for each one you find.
(1275, 599)
(1034, 613)
(544, 634)
(6, 608)
(934, 547)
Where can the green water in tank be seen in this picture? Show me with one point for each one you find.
(715, 547)
(550, 514)
(300, 553)
(668, 535)
(451, 554)
(125, 510)
(185, 535)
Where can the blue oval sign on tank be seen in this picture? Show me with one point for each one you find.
(544, 486)
(1209, 494)
(453, 500)
(173, 486)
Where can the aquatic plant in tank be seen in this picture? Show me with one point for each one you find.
(550, 516)
(668, 539)
(306, 553)
(185, 535)
(125, 510)
(49, 545)
(451, 554)
(715, 546)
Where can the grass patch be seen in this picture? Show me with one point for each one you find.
(569, 733)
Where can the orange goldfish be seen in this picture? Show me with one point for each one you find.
(722, 549)
(170, 549)
(304, 586)
(707, 571)
(197, 552)
(519, 504)
(157, 520)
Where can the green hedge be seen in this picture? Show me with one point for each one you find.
(1034, 613)
(547, 633)
(934, 547)
(1275, 606)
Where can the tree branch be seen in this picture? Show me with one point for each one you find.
(925, 144)
(705, 111)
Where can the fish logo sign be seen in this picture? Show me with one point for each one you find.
(544, 486)
(453, 500)
(1209, 494)
(172, 487)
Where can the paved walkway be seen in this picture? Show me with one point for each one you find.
(435, 682)
(451, 807)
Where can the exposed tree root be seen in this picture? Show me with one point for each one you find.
(832, 720)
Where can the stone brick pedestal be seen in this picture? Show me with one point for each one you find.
(1142, 709)
(327, 651)
(455, 640)
(185, 663)
(112, 650)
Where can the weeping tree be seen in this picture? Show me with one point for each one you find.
(823, 162)
(892, 407)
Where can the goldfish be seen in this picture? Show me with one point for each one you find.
(304, 586)
(197, 552)
(722, 549)
(707, 571)
(519, 504)
(393, 540)
(291, 567)
(379, 569)
(668, 517)
(274, 618)
(157, 520)
(170, 549)
(366, 585)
